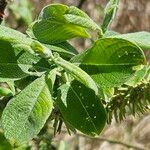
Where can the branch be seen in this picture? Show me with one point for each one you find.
(120, 143)
(114, 142)
(3, 4)
(81, 2)
(107, 140)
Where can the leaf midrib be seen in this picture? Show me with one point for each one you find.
(94, 64)
(80, 17)
(36, 99)
(59, 49)
(23, 64)
(84, 108)
(59, 22)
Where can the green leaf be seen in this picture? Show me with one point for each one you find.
(83, 22)
(11, 85)
(147, 76)
(54, 10)
(52, 32)
(77, 73)
(72, 10)
(138, 76)
(110, 33)
(51, 77)
(64, 49)
(23, 147)
(67, 46)
(108, 93)
(18, 40)
(142, 39)
(9, 68)
(110, 12)
(16, 62)
(68, 14)
(58, 23)
(26, 114)
(22, 83)
(110, 61)
(5, 91)
(78, 17)
(14, 37)
(83, 111)
(4, 144)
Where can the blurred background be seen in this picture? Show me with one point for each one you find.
(133, 15)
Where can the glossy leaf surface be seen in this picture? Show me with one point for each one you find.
(64, 49)
(16, 62)
(58, 23)
(142, 39)
(77, 73)
(81, 108)
(110, 61)
(78, 17)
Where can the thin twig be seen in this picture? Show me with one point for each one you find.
(109, 141)
(119, 143)
(81, 2)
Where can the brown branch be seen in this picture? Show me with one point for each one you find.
(114, 142)
(120, 143)
(3, 4)
(108, 140)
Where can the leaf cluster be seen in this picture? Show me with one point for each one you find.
(48, 80)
